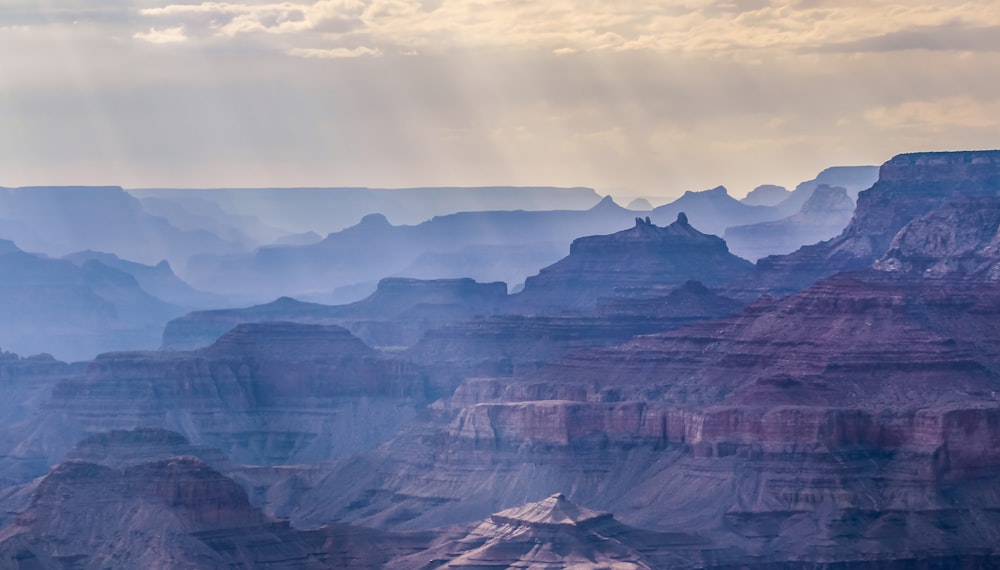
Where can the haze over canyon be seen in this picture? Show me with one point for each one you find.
(530, 377)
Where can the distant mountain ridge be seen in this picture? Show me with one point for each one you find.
(824, 215)
(59, 220)
(644, 260)
(326, 210)
(74, 312)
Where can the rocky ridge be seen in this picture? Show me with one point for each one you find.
(173, 513)
(265, 394)
(909, 186)
(643, 261)
(398, 313)
(823, 216)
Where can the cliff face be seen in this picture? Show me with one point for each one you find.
(51, 305)
(909, 186)
(396, 314)
(827, 426)
(268, 393)
(646, 260)
(822, 217)
(503, 344)
(959, 240)
(174, 513)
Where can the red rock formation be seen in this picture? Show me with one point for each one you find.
(857, 421)
(959, 240)
(268, 393)
(555, 533)
(909, 186)
(175, 513)
(645, 260)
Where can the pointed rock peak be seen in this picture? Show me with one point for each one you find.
(682, 219)
(717, 192)
(641, 222)
(555, 510)
(606, 203)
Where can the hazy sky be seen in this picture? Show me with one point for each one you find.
(630, 97)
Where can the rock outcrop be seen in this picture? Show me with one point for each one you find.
(766, 195)
(823, 216)
(959, 240)
(397, 314)
(374, 249)
(53, 306)
(175, 513)
(556, 533)
(158, 280)
(854, 179)
(909, 186)
(501, 345)
(712, 211)
(644, 261)
(265, 394)
(824, 428)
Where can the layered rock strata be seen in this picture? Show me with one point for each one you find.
(909, 186)
(396, 314)
(856, 422)
(646, 260)
(556, 533)
(269, 393)
(175, 513)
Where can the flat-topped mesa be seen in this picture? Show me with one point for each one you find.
(410, 306)
(289, 341)
(554, 511)
(642, 261)
(678, 235)
(970, 166)
(396, 294)
(909, 186)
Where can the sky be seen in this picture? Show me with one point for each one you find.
(630, 97)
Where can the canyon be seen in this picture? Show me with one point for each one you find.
(648, 401)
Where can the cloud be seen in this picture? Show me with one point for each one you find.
(232, 19)
(566, 26)
(164, 36)
(937, 115)
(334, 53)
(951, 36)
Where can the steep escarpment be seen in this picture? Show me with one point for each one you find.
(855, 422)
(646, 260)
(499, 345)
(861, 339)
(959, 240)
(396, 314)
(823, 216)
(268, 393)
(169, 514)
(909, 186)
(53, 306)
